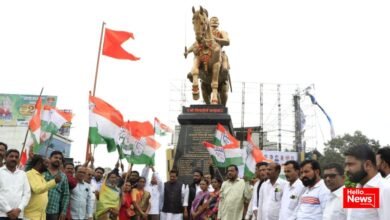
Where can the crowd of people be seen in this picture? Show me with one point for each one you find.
(50, 188)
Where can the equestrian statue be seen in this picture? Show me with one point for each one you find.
(211, 64)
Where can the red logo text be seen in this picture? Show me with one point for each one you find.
(361, 198)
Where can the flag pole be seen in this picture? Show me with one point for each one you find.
(28, 129)
(88, 150)
(98, 58)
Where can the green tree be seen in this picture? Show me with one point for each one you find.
(335, 148)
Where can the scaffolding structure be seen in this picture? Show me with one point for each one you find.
(270, 106)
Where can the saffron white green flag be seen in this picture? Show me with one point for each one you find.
(105, 124)
(34, 125)
(226, 149)
(52, 120)
(160, 128)
(252, 155)
(140, 147)
(143, 151)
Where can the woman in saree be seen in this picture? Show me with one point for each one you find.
(141, 200)
(212, 203)
(126, 210)
(199, 208)
(108, 204)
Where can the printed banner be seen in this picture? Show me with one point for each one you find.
(16, 110)
(280, 157)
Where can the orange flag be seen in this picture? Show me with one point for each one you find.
(112, 45)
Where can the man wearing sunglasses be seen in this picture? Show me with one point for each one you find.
(334, 180)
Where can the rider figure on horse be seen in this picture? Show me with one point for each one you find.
(222, 39)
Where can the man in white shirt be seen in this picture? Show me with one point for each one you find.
(97, 180)
(292, 191)
(155, 188)
(271, 192)
(313, 199)
(208, 178)
(14, 188)
(88, 179)
(261, 174)
(383, 162)
(360, 165)
(334, 180)
(81, 206)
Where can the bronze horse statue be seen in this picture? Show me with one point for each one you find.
(207, 62)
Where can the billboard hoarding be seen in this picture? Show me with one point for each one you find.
(16, 110)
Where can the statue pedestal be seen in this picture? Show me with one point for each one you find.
(197, 124)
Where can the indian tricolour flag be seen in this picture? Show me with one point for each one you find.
(35, 125)
(223, 137)
(143, 150)
(226, 150)
(224, 156)
(160, 128)
(137, 144)
(105, 122)
(252, 155)
(52, 120)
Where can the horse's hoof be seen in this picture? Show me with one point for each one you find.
(214, 102)
(195, 96)
(195, 92)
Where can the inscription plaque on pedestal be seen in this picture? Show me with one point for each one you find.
(198, 124)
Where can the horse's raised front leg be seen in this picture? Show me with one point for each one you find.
(195, 79)
(214, 83)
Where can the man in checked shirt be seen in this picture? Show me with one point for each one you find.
(59, 195)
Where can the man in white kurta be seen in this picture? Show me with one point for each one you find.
(234, 192)
(155, 188)
(292, 190)
(88, 179)
(383, 212)
(360, 165)
(271, 193)
(261, 174)
(81, 206)
(14, 188)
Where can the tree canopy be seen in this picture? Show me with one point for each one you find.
(335, 148)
